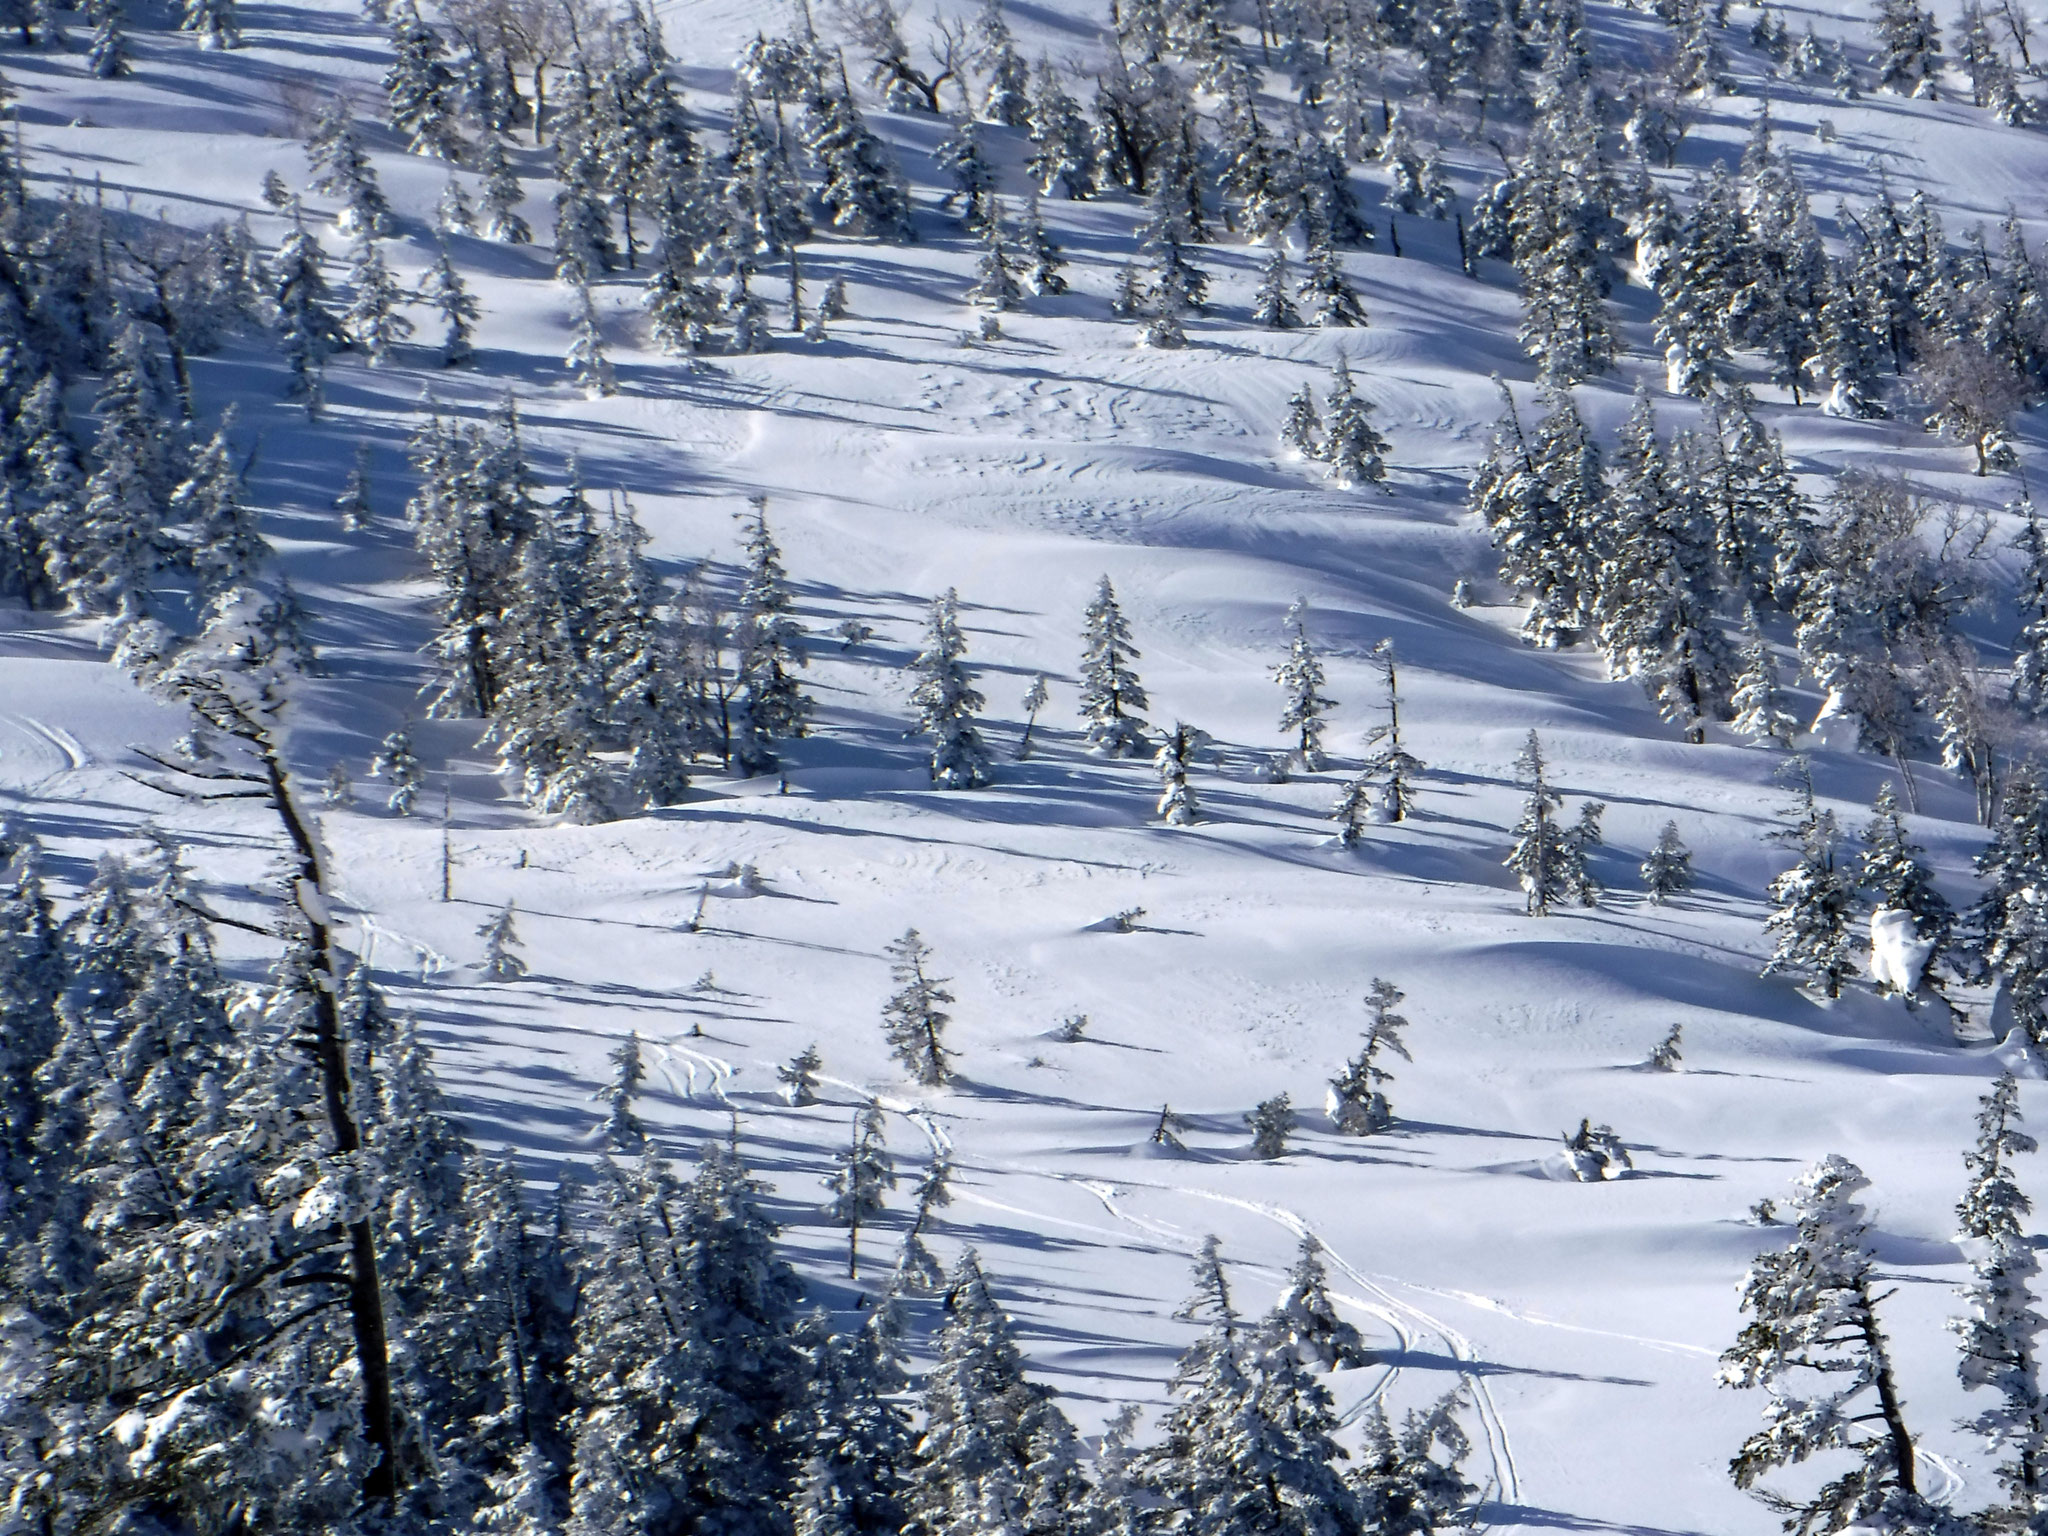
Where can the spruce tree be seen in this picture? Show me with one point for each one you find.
(947, 701)
(586, 359)
(1811, 904)
(1300, 678)
(458, 308)
(342, 170)
(1999, 1345)
(1271, 1122)
(353, 505)
(1540, 858)
(2010, 920)
(216, 22)
(1111, 694)
(1667, 872)
(997, 1453)
(862, 1174)
(1815, 1342)
(396, 762)
(1357, 1102)
(1908, 48)
(1756, 699)
(914, 1019)
(502, 195)
(1273, 307)
(1302, 432)
(1178, 806)
(624, 1132)
(2030, 648)
(1389, 763)
(423, 92)
(771, 705)
(1326, 293)
(501, 941)
(373, 321)
(1892, 876)
(1352, 447)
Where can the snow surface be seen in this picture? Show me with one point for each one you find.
(1583, 1319)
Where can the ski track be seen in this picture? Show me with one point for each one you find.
(719, 1069)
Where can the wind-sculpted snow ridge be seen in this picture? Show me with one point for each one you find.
(1515, 512)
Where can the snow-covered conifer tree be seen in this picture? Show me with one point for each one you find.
(799, 1078)
(226, 548)
(423, 92)
(1357, 1102)
(1758, 701)
(1667, 872)
(1178, 806)
(342, 170)
(502, 195)
(353, 505)
(374, 322)
(1815, 1343)
(307, 329)
(914, 1019)
(453, 214)
(623, 1131)
(1540, 857)
(396, 762)
(1040, 257)
(961, 156)
(947, 701)
(1908, 48)
(106, 57)
(1302, 432)
(2030, 647)
(1999, 1337)
(1035, 699)
(1352, 446)
(1389, 763)
(863, 1172)
(1271, 1122)
(995, 270)
(1300, 678)
(501, 940)
(1811, 904)
(1111, 695)
(997, 1453)
(1326, 293)
(458, 309)
(1273, 307)
(216, 22)
(771, 705)
(1892, 876)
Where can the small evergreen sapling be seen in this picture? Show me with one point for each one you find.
(799, 1078)
(396, 762)
(863, 1174)
(1596, 1154)
(1357, 1102)
(1758, 699)
(353, 504)
(1305, 1317)
(586, 359)
(501, 941)
(1300, 678)
(374, 321)
(1389, 763)
(1665, 1056)
(1302, 432)
(1035, 698)
(1271, 1122)
(1178, 806)
(1667, 872)
(1168, 1130)
(914, 1019)
(339, 789)
(1352, 446)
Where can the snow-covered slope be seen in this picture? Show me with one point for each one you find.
(1584, 1320)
